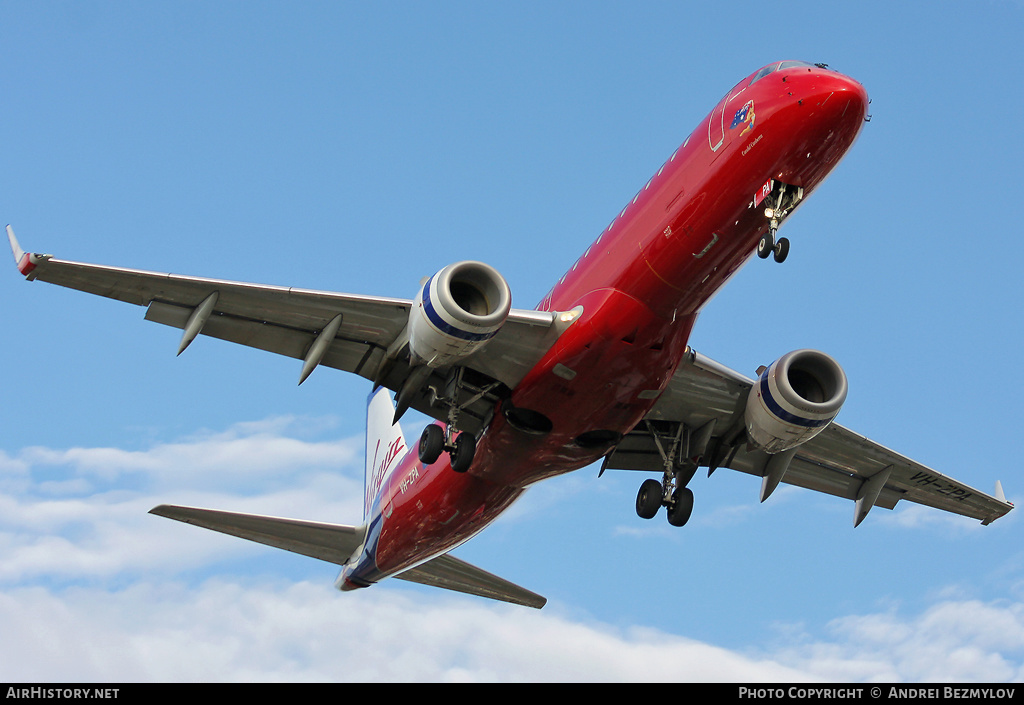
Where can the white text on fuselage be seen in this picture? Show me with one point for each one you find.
(413, 475)
(751, 145)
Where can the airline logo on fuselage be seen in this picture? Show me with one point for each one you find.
(744, 116)
(394, 450)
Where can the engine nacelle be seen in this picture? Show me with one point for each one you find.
(456, 312)
(794, 399)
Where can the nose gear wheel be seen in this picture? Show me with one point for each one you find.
(781, 202)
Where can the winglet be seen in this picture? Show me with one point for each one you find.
(1000, 497)
(25, 261)
(999, 493)
(15, 247)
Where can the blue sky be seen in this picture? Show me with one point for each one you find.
(357, 147)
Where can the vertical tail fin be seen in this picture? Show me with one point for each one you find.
(385, 444)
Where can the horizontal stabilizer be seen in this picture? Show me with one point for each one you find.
(333, 543)
(450, 573)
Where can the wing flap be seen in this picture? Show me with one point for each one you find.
(334, 543)
(841, 448)
(351, 355)
(805, 472)
(451, 573)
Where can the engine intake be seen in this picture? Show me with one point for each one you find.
(456, 312)
(794, 399)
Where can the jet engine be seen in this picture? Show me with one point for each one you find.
(456, 312)
(794, 399)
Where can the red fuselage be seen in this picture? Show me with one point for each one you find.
(641, 285)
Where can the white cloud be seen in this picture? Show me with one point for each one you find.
(225, 630)
(230, 631)
(248, 451)
(83, 512)
(949, 641)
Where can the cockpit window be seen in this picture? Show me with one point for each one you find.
(764, 72)
(772, 68)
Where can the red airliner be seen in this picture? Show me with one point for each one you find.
(601, 370)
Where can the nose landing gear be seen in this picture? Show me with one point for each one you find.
(781, 202)
(770, 246)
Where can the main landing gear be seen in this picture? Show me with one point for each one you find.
(680, 459)
(779, 204)
(652, 497)
(435, 439)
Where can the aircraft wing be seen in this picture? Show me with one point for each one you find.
(359, 332)
(706, 395)
(336, 543)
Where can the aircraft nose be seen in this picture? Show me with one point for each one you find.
(830, 110)
(850, 93)
(842, 106)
